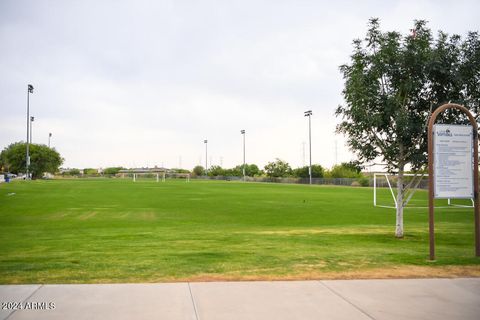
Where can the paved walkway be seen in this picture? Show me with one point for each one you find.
(336, 299)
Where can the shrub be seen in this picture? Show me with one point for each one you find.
(364, 181)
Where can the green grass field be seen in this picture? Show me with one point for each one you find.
(114, 230)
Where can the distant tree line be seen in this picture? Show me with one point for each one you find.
(44, 159)
(110, 171)
(282, 169)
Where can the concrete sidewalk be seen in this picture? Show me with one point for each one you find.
(335, 299)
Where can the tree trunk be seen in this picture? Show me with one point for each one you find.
(400, 193)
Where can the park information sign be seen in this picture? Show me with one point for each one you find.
(453, 164)
(453, 161)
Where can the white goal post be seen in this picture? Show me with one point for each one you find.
(411, 185)
(162, 176)
(157, 174)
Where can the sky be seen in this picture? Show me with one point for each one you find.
(144, 83)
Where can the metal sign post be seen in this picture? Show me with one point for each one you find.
(447, 187)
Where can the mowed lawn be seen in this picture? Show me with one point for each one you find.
(115, 230)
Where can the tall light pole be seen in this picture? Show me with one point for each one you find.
(243, 133)
(309, 115)
(206, 156)
(32, 118)
(27, 160)
(49, 136)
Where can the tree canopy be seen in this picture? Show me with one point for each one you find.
(302, 172)
(393, 83)
(42, 159)
(344, 170)
(278, 168)
(198, 170)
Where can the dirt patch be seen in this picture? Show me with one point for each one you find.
(404, 272)
(364, 230)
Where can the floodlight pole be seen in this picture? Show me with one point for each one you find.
(27, 160)
(206, 156)
(32, 118)
(243, 133)
(309, 115)
(49, 136)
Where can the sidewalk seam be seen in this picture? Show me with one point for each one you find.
(193, 301)
(24, 300)
(346, 300)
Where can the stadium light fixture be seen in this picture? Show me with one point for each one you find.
(206, 156)
(309, 114)
(27, 160)
(243, 133)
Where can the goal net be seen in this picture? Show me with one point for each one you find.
(148, 176)
(179, 176)
(156, 176)
(415, 194)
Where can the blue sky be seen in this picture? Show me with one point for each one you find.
(143, 83)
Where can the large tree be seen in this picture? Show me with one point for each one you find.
(198, 171)
(393, 82)
(42, 159)
(214, 171)
(278, 169)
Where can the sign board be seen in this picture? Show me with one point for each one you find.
(453, 161)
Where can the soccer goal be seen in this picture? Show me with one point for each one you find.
(175, 175)
(152, 176)
(415, 195)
